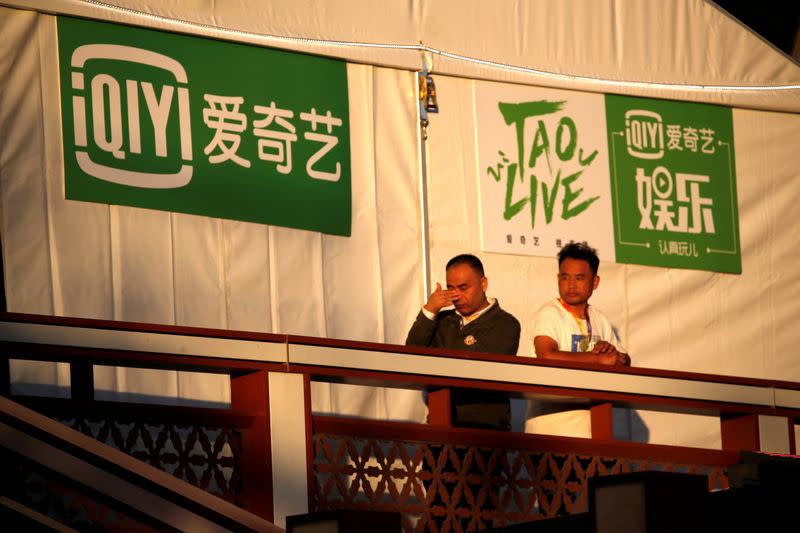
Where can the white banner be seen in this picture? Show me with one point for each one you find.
(558, 139)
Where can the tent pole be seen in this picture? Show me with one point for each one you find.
(423, 206)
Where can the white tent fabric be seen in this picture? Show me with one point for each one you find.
(78, 259)
(686, 50)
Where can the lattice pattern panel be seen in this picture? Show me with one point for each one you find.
(208, 458)
(438, 487)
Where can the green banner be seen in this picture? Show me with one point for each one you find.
(194, 125)
(673, 184)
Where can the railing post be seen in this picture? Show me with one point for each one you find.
(739, 432)
(290, 441)
(5, 376)
(602, 419)
(773, 434)
(753, 432)
(439, 408)
(81, 377)
(249, 393)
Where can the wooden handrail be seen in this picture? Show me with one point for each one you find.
(275, 338)
(175, 347)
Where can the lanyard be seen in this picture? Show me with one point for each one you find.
(588, 333)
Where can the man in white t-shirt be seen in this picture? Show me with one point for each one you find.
(568, 328)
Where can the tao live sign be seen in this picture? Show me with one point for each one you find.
(645, 181)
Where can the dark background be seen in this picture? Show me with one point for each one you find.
(777, 21)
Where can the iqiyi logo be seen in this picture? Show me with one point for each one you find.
(644, 134)
(114, 110)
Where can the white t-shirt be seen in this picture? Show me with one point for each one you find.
(553, 321)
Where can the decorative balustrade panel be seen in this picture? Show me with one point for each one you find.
(442, 487)
(206, 457)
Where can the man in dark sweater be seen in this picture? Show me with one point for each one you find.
(475, 324)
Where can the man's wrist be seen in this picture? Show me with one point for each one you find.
(428, 314)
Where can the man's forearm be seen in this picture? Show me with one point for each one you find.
(613, 358)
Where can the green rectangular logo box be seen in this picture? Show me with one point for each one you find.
(673, 184)
(194, 125)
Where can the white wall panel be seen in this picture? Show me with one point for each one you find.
(143, 280)
(298, 289)
(198, 262)
(23, 186)
(768, 296)
(397, 169)
(247, 275)
(25, 225)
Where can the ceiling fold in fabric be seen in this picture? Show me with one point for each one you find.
(690, 50)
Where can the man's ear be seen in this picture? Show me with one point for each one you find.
(596, 282)
(484, 283)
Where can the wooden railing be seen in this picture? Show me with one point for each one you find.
(55, 477)
(270, 455)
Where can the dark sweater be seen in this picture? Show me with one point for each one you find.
(495, 331)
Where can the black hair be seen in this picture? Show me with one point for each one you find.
(467, 259)
(582, 251)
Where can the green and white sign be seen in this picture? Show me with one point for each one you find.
(644, 181)
(194, 125)
(543, 170)
(673, 181)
